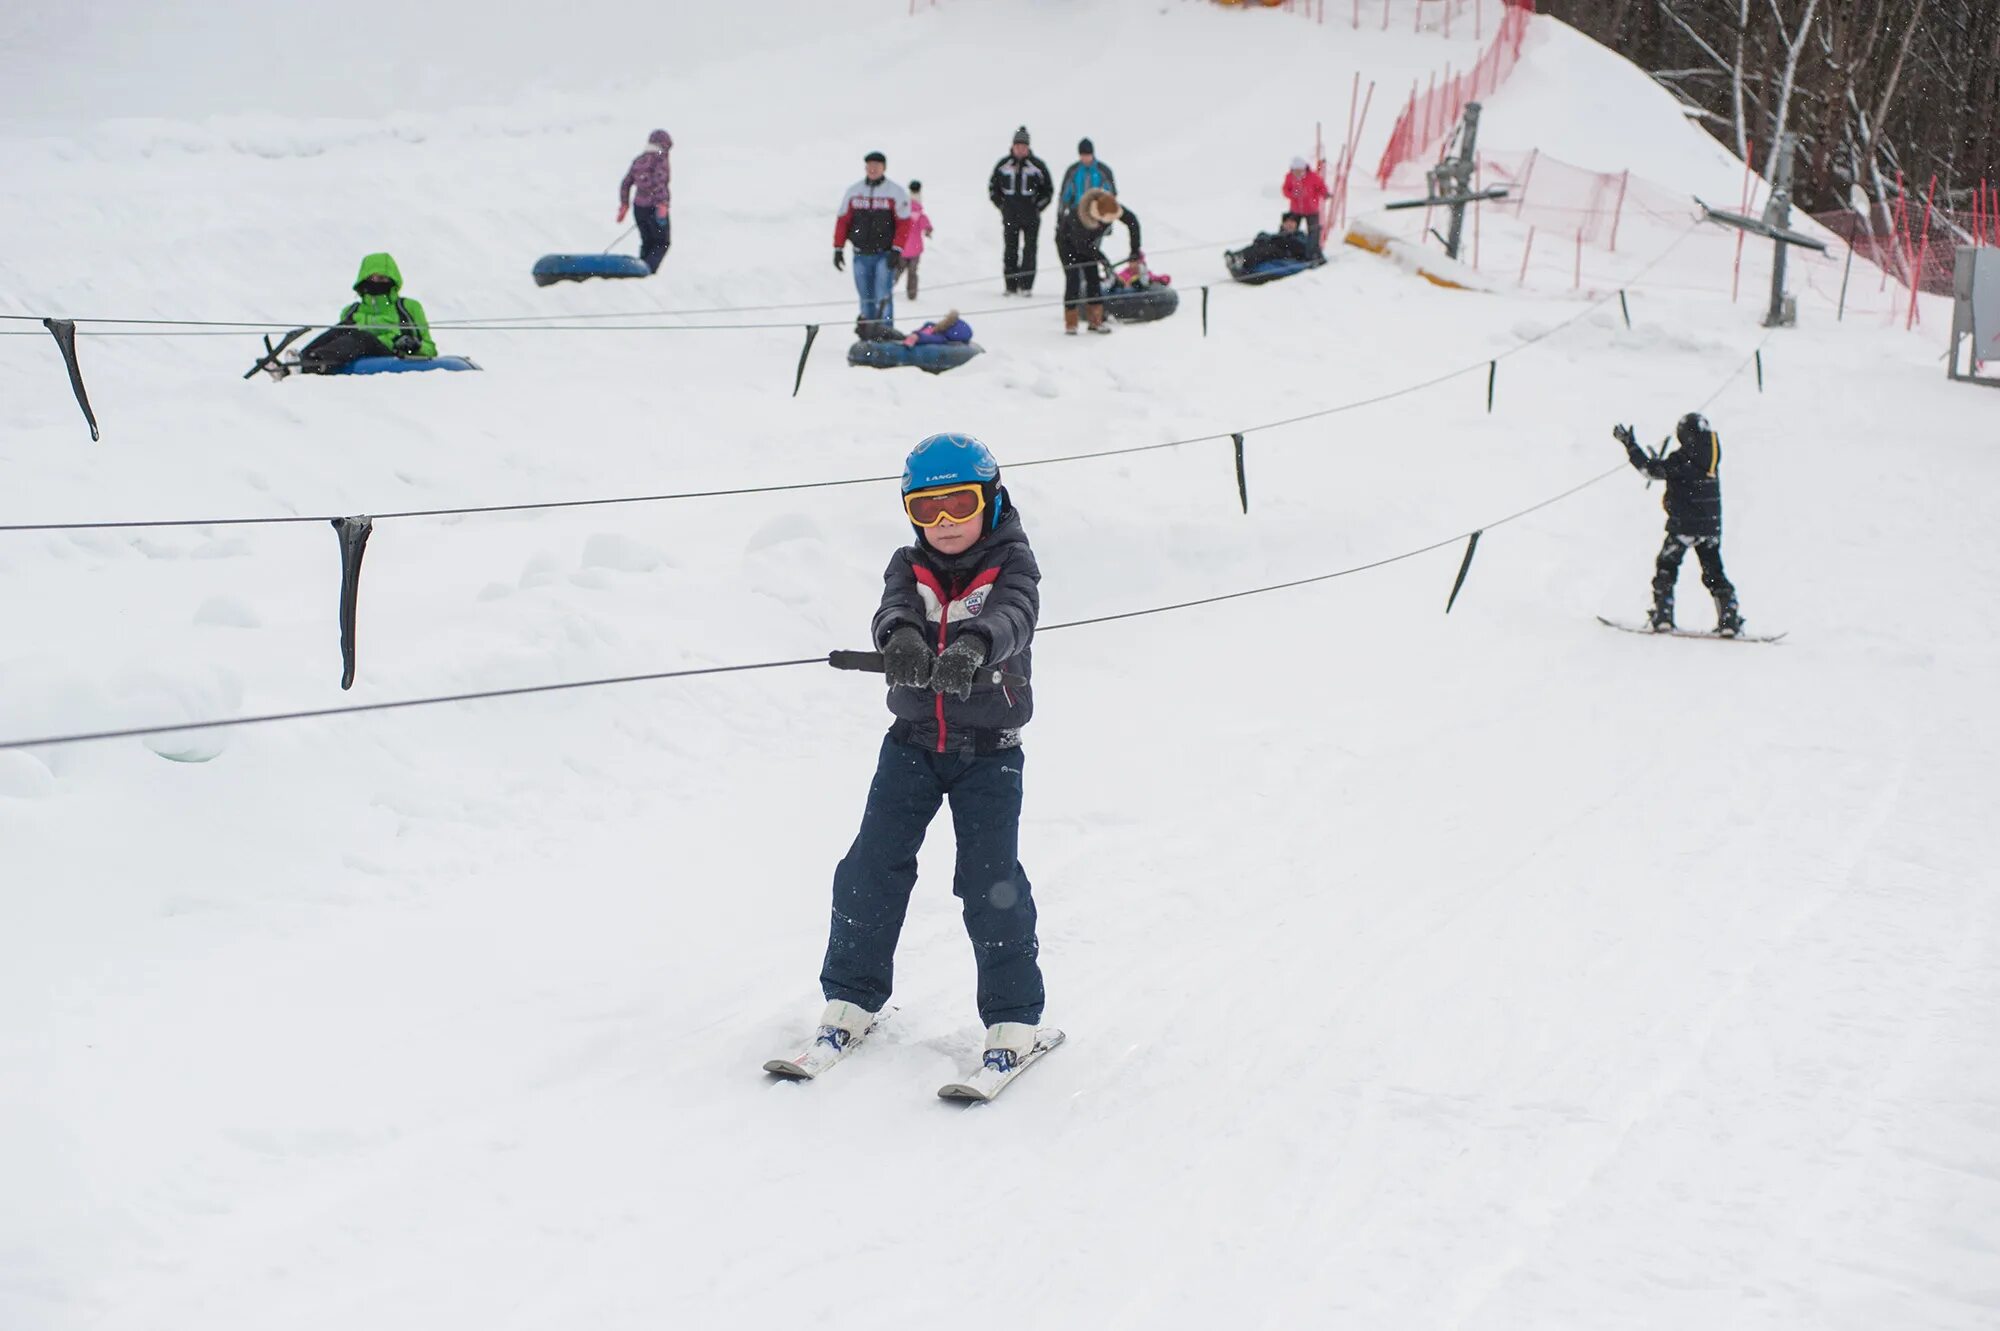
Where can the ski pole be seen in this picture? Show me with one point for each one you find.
(871, 663)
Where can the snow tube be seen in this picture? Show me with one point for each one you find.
(1268, 271)
(932, 358)
(553, 268)
(401, 365)
(1139, 305)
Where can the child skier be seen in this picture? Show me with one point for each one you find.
(1694, 518)
(963, 595)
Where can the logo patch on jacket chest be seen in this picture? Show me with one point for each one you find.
(975, 600)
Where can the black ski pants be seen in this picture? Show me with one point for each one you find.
(1083, 283)
(1021, 234)
(656, 236)
(871, 888)
(338, 348)
(1667, 571)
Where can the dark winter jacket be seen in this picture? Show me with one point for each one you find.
(652, 175)
(1273, 246)
(1694, 485)
(990, 592)
(1080, 179)
(392, 318)
(875, 215)
(1020, 186)
(1078, 244)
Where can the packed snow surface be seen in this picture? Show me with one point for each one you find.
(1491, 971)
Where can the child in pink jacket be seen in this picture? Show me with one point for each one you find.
(920, 226)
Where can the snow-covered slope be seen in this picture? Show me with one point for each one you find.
(1495, 971)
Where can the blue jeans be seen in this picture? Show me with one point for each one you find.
(871, 888)
(877, 287)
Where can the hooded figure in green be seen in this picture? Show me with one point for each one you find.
(395, 320)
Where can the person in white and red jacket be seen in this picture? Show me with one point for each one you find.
(875, 217)
(1305, 194)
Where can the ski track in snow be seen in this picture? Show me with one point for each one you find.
(1496, 972)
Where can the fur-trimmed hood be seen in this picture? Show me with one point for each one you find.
(1098, 208)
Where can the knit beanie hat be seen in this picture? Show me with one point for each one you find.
(1021, 135)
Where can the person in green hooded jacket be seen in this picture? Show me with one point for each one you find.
(384, 322)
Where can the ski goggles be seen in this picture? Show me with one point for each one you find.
(960, 503)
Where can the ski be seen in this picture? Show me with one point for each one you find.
(985, 1083)
(1690, 633)
(269, 360)
(822, 1053)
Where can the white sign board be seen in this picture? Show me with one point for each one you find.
(1986, 303)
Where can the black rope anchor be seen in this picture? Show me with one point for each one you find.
(64, 332)
(812, 331)
(1464, 567)
(354, 533)
(1204, 311)
(1242, 480)
(1492, 378)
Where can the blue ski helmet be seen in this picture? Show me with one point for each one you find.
(954, 459)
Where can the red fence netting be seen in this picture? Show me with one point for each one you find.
(1431, 112)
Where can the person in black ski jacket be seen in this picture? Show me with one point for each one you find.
(1288, 244)
(1021, 189)
(958, 605)
(1080, 245)
(1693, 501)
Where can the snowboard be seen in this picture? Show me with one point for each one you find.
(985, 1083)
(1690, 633)
(819, 1055)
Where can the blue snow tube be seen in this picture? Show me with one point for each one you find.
(553, 268)
(1270, 270)
(931, 358)
(404, 365)
(1139, 305)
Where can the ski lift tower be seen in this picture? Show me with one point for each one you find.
(1775, 226)
(1450, 183)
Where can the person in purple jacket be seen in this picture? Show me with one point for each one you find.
(651, 177)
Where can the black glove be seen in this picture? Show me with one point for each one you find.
(897, 263)
(906, 659)
(408, 344)
(955, 666)
(840, 261)
(1624, 435)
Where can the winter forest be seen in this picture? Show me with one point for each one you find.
(1877, 90)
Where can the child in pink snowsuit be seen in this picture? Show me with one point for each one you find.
(920, 226)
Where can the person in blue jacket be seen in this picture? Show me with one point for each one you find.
(958, 602)
(1085, 174)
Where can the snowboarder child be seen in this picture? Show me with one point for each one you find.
(1694, 517)
(963, 595)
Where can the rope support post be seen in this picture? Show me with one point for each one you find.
(353, 533)
(64, 332)
(1464, 567)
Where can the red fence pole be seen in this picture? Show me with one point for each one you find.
(1624, 183)
(1527, 250)
(1579, 260)
(1917, 280)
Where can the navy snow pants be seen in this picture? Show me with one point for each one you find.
(656, 235)
(871, 888)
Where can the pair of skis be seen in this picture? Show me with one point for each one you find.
(985, 1082)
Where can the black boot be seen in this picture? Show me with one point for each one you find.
(1728, 619)
(1662, 618)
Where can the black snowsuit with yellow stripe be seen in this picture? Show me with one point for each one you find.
(1693, 502)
